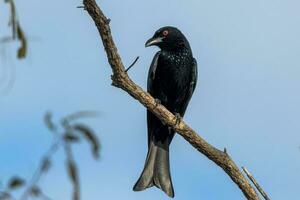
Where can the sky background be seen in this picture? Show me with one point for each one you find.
(247, 97)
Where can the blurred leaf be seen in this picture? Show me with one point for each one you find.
(90, 137)
(69, 137)
(73, 174)
(35, 191)
(72, 171)
(16, 182)
(46, 164)
(17, 31)
(81, 114)
(48, 121)
(22, 51)
(13, 17)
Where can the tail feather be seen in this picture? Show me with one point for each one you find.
(146, 178)
(162, 176)
(156, 171)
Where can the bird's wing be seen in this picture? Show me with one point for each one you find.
(151, 73)
(190, 90)
(152, 121)
(194, 76)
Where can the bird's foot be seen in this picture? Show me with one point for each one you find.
(157, 102)
(178, 118)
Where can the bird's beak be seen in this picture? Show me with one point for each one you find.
(154, 41)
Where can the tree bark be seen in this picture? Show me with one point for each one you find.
(121, 80)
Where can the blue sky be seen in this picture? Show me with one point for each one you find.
(247, 98)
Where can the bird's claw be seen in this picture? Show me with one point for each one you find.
(178, 118)
(157, 102)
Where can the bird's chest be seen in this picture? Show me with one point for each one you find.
(172, 74)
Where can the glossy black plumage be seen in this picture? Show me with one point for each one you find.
(172, 79)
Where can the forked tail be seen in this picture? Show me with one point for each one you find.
(156, 171)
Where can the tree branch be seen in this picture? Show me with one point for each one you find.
(121, 79)
(261, 191)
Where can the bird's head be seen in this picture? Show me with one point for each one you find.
(168, 38)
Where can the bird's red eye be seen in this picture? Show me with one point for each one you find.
(165, 32)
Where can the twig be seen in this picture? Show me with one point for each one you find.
(261, 191)
(137, 58)
(41, 168)
(79, 115)
(81, 7)
(121, 79)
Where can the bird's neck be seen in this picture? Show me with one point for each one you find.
(180, 50)
(179, 47)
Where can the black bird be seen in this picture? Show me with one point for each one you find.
(171, 80)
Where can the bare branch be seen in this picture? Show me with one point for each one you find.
(121, 79)
(261, 191)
